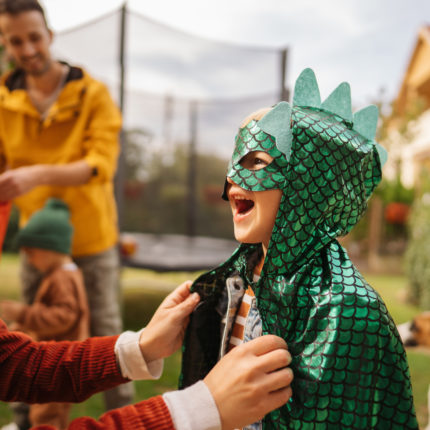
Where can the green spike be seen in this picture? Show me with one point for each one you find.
(306, 91)
(277, 123)
(339, 102)
(383, 154)
(365, 121)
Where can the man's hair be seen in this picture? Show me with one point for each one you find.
(15, 7)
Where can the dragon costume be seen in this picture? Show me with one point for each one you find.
(350, 367)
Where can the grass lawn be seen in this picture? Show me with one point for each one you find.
(142, 292)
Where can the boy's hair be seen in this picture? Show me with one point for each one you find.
(15, 7)
(256, 115)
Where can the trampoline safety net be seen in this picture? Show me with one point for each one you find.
(183, 98)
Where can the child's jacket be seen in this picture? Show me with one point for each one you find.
(350, 368)
(60, 309)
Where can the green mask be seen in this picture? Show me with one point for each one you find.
(252, 138)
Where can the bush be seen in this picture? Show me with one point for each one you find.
(418, 253)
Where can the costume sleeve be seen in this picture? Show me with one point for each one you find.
(55, 371)
(57, 316)
(101, 141)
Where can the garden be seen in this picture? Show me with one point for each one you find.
(143, 290)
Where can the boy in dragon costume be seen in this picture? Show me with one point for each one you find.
(318, 164)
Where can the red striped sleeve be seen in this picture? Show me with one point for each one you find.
(72, 371)
(151, 414)
(55, 371)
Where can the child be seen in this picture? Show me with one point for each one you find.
(300, 176)
(60, 309)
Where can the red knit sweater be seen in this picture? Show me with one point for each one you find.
(38, 372)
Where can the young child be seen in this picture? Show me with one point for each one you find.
(60, 309)
(300, 176)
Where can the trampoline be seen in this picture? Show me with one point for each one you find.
(169, 252)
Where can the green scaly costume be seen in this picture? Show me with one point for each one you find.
(350, 367)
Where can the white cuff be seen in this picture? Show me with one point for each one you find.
(193, 408)
(131, 361)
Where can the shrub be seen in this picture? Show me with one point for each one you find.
(418, 252)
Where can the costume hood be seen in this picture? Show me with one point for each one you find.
(325, 162)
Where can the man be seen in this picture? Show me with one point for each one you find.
(59, 138)
(244, 386)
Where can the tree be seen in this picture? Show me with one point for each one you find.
(158, 203)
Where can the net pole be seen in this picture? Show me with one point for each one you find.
(191, 212)
(122, 47)
(120, 173)
(284, 93)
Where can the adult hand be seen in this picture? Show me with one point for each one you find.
(16, 182)
(10, 310)
(251, 380)
(165, 332)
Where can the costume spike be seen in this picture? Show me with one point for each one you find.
(383, 154)
(339, 102)
(277, 123)
(365, 121)
(306, 91)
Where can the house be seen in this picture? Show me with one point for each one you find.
(409, 130)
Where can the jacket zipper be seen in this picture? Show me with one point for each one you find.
(224, 335)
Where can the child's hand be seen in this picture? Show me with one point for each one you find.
(251, 380)
(11, 310)
(165, 332)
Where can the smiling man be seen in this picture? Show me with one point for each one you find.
(59, 138)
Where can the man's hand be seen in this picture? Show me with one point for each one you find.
(11, 310)
(165, 332)
(21, 180)
(251, 381)
(16, 182)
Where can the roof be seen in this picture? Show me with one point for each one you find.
(416, 80)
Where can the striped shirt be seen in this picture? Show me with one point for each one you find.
(238, 331)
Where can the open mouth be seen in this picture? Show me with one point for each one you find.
(243, 206)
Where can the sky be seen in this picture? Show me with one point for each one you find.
(367, 43)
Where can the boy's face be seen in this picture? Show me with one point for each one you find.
(41, 259)
(27, 40)
(254, 212)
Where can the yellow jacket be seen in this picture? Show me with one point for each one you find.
(83, 124)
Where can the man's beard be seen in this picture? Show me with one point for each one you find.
(45, 66)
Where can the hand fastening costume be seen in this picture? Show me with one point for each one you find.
(350, 368)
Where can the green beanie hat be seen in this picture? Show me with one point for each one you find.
(49, 228)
